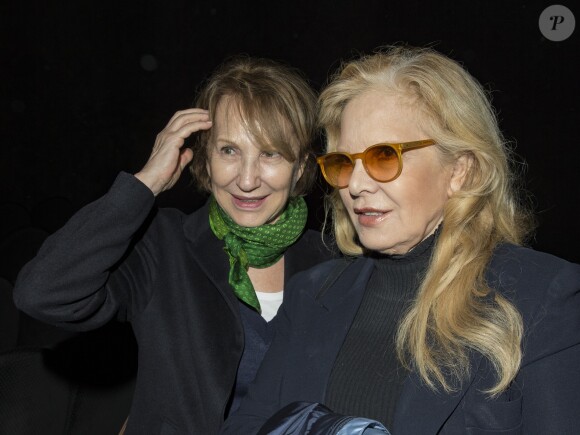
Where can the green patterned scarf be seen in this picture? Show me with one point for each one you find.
(257, 247)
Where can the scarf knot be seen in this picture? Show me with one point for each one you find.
(257, 247)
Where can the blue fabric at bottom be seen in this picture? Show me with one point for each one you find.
(304, 418)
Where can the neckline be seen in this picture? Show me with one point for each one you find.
(420, 251)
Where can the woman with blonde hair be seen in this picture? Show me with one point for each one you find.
(439, 321)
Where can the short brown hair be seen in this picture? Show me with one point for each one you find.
(275, 102)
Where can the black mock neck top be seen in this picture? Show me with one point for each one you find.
(367, 377)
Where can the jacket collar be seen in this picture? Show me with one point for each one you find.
(434, 408)
(346, 279)
(207, 250)
(197, 224)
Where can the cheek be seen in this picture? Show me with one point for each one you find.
(428, 186)
(221, 174)
(279, 177)
(346, 200)
(428, 198)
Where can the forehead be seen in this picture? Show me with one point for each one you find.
(269, 130)
(228, 114)
(231, 124)
(377, 116)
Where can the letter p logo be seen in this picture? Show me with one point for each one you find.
(556, 19)
(557, 23)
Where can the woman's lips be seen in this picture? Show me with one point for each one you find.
(369, 217)
(248, 203)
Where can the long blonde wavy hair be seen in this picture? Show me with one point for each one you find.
(455, 311)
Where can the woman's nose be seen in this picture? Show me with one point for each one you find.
(249, 177)
(360, 181)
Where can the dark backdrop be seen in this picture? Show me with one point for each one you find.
(87, 85)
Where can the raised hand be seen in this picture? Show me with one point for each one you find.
(168, 157)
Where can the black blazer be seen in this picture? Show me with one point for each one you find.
(165, 272)
(544, 398)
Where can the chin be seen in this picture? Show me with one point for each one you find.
(376, 246)
(250, 222)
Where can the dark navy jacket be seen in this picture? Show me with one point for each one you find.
(543, 399)
(166, 273)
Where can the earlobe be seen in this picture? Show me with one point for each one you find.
(461, 168)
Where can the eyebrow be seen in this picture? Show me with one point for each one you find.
(226, 140)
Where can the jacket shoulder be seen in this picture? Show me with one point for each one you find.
(516, 268)
(193, 224)
(546, 291)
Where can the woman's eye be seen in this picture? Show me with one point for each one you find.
(271, 154)
(228, 150)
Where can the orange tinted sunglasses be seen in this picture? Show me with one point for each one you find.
(382, 162)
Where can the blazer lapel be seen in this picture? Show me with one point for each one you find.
(420, 410)
(344, 284)
(207, 250)
(320, 325)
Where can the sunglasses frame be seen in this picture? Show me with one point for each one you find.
(399, 148)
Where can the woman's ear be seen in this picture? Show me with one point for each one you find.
(461, 168)
(208, 170)
(298, 171)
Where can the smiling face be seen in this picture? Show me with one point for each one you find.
(392, 217)
(250, 184)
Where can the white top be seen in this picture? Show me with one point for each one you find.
(270, 302)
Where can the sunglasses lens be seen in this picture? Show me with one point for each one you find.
(337, 169)
(382, 162)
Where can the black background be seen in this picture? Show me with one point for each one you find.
(87, 85)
